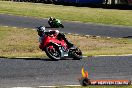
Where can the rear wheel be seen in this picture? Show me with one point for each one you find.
(53, 52)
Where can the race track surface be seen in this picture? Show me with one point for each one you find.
(43, 72)
(70, 27)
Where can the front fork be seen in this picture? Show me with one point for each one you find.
(63, 51)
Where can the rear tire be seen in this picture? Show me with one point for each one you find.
(54, 52)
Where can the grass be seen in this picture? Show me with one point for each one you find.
(70, 13)
(103, 46)
(16, 42)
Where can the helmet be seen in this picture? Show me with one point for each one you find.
(41, 29)
(51, 18)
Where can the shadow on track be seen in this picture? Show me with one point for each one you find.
(43, 59)
(28, 58)
(128, 37)
(36, 59)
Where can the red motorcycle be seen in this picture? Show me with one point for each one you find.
(58, 49)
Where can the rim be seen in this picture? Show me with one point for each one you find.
(53, 52)
(78, 52)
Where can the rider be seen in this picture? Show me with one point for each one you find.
(41, 32)
(52, 20)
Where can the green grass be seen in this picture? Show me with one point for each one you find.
(16, 42)
(70, 13)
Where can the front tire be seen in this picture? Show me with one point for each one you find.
(61, 25)
(77, 54)
(53, 52)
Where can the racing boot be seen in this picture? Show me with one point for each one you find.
(61, 35)
(70, 45)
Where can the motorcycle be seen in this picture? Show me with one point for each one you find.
(58, 49)
(55, 24)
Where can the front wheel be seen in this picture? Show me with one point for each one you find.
(76, 54)
(61, 25)
(53, 52)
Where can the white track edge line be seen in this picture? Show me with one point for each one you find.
(58, 86)
(50, 86)
(88, 56)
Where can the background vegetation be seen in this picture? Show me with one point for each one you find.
(70, 13)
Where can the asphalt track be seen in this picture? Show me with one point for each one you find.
(42, 72)
(32, 72)
(70, 27)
